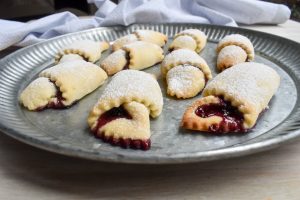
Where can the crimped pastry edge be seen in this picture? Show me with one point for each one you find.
(202, 66)
(193, 122)
(247, 49)
(132, 57)
(108, 104)
(84, 55)
(198, 41)
(165, 38)
(249, 112)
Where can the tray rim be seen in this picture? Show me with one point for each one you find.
(222, 153)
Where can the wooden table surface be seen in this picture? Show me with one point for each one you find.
(30, 173)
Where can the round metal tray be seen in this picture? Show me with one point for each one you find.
(66, 131)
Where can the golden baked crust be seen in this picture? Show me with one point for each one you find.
(136, 128)
(248, 87)
(70, 57)
(88, 49)
(115, 62)
(125, 87)
(138, 55)
(237, 40)
(185, 81)
(75, 79)
(182, 57)
(229, 56)
(192, 39)
(152, 37)
(140, 35)
(127, 39)
(143, 54)
(38, 93)
(193, 122)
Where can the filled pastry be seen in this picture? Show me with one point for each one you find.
(62, 85)
(121, 116)
(192, 39)
(234, 49)
(140, 35)
(89, 50)
(137, 55)
(186, 73)
(233, 100)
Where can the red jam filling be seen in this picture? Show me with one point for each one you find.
(127, 57)
(58, 104)
(113, 114)
(232, 118)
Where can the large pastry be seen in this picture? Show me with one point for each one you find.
(137, 55)
(186, 73)
(192, 39)
(233, 100)
(234, 49)
(140, 35)
(121, 116)
(89, 50)
(62, 85)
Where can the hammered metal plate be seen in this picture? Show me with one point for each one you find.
(66, 131)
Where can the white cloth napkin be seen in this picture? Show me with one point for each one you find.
(220, 12)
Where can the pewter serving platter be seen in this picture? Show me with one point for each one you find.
(66, 131)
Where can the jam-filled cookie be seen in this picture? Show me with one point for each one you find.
(62, 85)
(234, 49)
(233, 100)
(186, 73)
(137, 55)
(121, 115)
(192, 39)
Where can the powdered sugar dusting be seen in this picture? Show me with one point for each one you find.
(233, 54)
(130, 83)
(116, 58)
(236, 39)
(180, 78)
(253, 83)
(182, 56)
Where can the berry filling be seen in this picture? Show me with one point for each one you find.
(57, 103)
(127, 57)
(232, 118)
(113, 114)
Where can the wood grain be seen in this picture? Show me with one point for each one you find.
(30, 173)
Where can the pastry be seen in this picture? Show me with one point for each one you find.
(140, 35)
(62, 85)
(121, 116)
(138, 55)
(234, 49)
(192, 39)
(89, 50)
(233, 100)
(186, 73)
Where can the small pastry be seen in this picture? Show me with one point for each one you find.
(62, 85)
(140, 35)
(89, 50)
(138, 55)
(233, 100)
(192, 39)
(186, 73)
(234, 49)
(121, 116)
